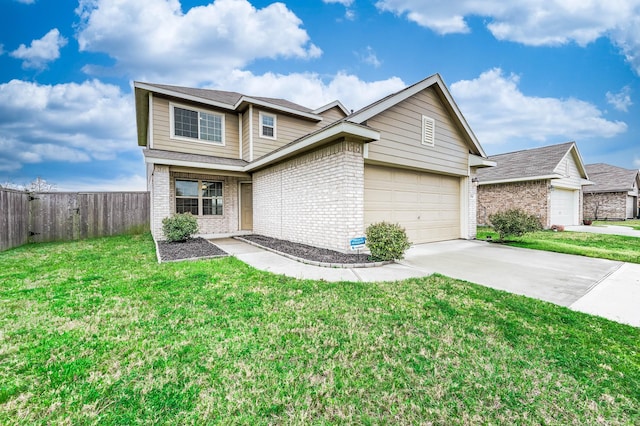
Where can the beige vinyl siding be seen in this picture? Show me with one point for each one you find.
(162, 133)
(568, 167)
(427, 205)
(288, 129)
(401, 136)
(330, 116)
(246, 142)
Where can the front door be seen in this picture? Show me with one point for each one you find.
(246, 206)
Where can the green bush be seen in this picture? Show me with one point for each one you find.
(387, 241)
(514, 223)
(179, 227)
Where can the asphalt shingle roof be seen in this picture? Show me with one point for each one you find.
(527, 163)
(608, 178)
(229, 98)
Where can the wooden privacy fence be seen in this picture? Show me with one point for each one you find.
(64, 216)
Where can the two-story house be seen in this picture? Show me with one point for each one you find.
(316, 176)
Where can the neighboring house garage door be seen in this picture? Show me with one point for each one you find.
(564, 207)
(427, 205)
(631, 203)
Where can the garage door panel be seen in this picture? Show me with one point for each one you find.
(426, 205)
(564, 207)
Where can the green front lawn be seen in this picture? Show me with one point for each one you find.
(96, 332)
(614, 247)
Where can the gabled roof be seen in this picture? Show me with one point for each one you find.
(530, 164)
(437, 83)
(608, 178)
(331, 105)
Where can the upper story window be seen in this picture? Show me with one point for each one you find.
(428, 131)
(190, 123)
(268, 125)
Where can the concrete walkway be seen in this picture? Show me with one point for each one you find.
(606, 229)
(596, 286)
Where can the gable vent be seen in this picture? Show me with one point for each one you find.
(428, 131)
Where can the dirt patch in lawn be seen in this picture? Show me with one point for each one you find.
(304, 251)
(195, 248)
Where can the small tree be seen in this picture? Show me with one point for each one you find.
(514, 223)
(40, 185)
(387, 241)
(179, 227)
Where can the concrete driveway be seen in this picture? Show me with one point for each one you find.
(558, 278)
(605, 229)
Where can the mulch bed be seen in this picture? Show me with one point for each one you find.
(191, 249)
(308, 252)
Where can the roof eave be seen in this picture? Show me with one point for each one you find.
(245, 100)
(480, 162)
(520, 179)
(331, 133)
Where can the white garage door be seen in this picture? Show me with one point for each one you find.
(631, 203)
(564, 207)
(427, 205)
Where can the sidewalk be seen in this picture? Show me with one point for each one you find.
(272, 262)
(607, 229)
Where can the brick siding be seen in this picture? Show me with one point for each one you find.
(532, 197)
(316, 198)
(610, 205)
(162, 187)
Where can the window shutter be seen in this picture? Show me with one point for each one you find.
(428, 131)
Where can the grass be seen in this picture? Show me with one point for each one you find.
(96, 332)
(613, 247)
(631, 223)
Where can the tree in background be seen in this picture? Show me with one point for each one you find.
(36, 185)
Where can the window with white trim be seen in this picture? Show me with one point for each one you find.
(194, 124)
(428, 131)
(199, 197)
(267, 125)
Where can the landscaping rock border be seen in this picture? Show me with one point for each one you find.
(310, 255)
(192, 249)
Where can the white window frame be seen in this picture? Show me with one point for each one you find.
(200, 196)
(172, 124)
(428, 127)
(262, 126)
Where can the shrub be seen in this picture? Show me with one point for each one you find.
(179, 227)
(514, 223)
(387, 241)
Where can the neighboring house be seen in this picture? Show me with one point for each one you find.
(614, 194)
(545, 182)
(316, 176)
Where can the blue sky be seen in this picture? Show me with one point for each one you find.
(524, 75)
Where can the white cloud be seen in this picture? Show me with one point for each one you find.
(499, 112)
(309, 89)
(65, 122)
(26, 1)
(533, 22)
(621, 100)
(41, 51)
(153, 39)
(369, 57)
(345, 3)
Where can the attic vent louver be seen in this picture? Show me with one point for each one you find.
(428, 131)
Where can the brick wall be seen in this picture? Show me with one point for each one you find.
(160, 207)
(162, 186)
(610, 205)
(532, 197)
(316, 198)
